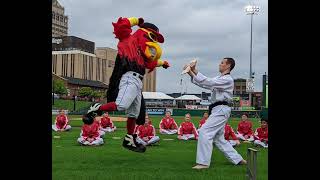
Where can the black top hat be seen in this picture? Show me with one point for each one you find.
(154, 29)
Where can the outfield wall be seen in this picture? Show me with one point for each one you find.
(193, 112)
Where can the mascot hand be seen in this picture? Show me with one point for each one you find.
(141, 21)
(165, 64)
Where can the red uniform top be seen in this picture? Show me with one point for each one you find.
(202, 121)
(168, 123)
(228, 131)
(106, 122)
(245, 127)
(146, 131)
(91, 131)
(261, 134)
(187, 127)
(61, 121)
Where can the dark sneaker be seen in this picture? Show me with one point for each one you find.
(129, 142)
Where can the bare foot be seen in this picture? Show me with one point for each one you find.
(242, 162)
(200, 166)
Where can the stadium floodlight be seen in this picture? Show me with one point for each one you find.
(251, 10)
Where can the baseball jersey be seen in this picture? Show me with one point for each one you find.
(91, 131)
(146, 131)
(187, 127)
(202, 121)
(61, 121)
(106, 122)
(221, 86)
(245, 127)
(168, 123)
(228, 132)
(261, 134)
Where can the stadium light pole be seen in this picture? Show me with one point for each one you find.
(251, 10)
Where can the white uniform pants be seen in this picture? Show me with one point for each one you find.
(108, 129)
(213, 132)
(101, 133)
(168, 131)
(258, 142)
(82, 141)
(54, 127)
(240, 136)
(130, 94)
(187, 136)
(153, 140)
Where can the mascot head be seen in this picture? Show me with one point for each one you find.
(149, 37)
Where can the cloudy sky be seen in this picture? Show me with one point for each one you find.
(207, 31)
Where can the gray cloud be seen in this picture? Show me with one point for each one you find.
(208, 31)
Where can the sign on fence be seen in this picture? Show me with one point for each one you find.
(157, 111)
(55, 111)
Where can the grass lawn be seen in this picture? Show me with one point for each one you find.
(169, 160)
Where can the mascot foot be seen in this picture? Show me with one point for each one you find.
(129, 142)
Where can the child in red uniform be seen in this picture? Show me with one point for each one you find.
(61, 122)
(245, 132)
(203, 120)
(228, 132)
(187, 130)
(147, 134)
(168, 125)
(90, 135)
(261, 134)
(106, 123)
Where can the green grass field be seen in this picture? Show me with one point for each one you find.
(169, 160)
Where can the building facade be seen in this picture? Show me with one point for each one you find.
(77, 58)
(59, 20)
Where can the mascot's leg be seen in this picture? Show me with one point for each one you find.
(133, 112)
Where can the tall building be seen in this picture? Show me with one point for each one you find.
(78, 63)
(59, 20)
(75, 57)
(109, 55)
(76, 60)
(239, 86)
(149, 81)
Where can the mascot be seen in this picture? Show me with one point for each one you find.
(136, 53)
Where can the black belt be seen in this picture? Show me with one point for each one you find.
(217, 104)
(138, 75)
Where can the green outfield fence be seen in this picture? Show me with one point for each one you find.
(182, 112)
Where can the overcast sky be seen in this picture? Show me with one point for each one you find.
(207, 30)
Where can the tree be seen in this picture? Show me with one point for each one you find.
(85, 91)
(97, 94)
(59, 87)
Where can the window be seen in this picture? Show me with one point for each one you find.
(90, 68)
(98, 69)
(62, 67)
(72, 65)
(54, 63)
(104, 64)
(84, 67)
